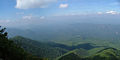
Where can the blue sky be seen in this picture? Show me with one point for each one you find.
(31, 12)
(17, 9)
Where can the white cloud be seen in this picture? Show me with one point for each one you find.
(99, 12)
(112, 12)
(63, 5)
(109, 12)
(27, 17)
(26, 4)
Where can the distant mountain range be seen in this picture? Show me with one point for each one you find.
(68, 31)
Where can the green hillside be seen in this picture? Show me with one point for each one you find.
(53, 50)
(105, 54)
(11, 51)
(40, 49)
(70, 56)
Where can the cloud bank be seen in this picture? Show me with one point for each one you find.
(112, 12)
(30, 20)
(26, 4)
(109, 12)
(63, 6)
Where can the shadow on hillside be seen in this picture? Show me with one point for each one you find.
(86, 46)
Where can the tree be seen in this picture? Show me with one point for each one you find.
(11, 51)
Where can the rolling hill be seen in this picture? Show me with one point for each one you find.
(105, 54)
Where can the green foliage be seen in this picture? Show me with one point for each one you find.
(40, 49)
(10, 51)
(77, 54)
(104, 54)
(94, 50)
(54, 50)
(70, 56)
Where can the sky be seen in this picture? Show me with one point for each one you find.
(13, 10)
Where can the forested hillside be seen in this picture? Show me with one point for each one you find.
(56, 51)
(11, 51)
(41, 49)
(105, 54)
(53, 50)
